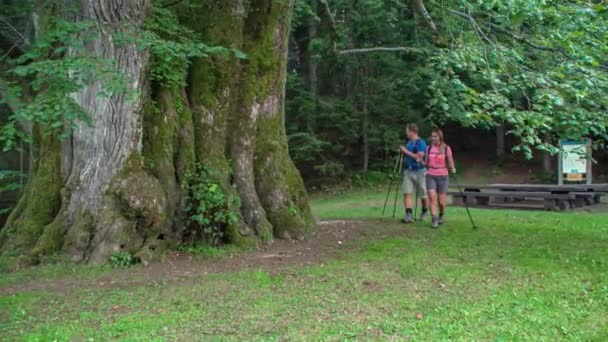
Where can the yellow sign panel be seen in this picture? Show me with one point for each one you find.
(574, 157)
(574, 177)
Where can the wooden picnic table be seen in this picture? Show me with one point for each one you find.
(554, 188)
(554, 197)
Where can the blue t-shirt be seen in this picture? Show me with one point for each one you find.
(414, 146)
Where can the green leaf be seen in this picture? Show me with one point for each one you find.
(239, 54)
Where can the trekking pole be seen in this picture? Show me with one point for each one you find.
(466, 206)
(390, 184)
(416, 204)
(397, 188)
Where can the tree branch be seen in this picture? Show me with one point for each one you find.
(473, 22)
(327, 19)
(10, 38)
(380, 49)
(515, 36)
(172, 3)
(421, 8)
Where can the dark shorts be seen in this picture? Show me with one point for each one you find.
(437, 183)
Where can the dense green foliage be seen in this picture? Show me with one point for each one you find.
(207, 207)
(10, 181)
(36, 82)
(173, 46)
(123, 259)
(537, 67)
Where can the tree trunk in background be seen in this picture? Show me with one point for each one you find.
(500, 141)
(365, 124)
(312, 66)
(547, 163)
(350, 68)
(365, 115)
(116, 185)
(313, 27)
(547, 158)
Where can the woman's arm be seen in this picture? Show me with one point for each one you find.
(451, 164)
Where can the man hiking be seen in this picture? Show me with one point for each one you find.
(414, 174)
(439, 160)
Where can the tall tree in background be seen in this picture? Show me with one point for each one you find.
(532, 70)
(369, 85)
(162, 137)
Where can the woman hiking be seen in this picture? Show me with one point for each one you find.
(438, 160)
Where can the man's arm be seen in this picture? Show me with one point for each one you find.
(419, 157)
(421, 147)
(407, 152)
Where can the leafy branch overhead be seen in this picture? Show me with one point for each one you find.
(35, 83)
(538, 67)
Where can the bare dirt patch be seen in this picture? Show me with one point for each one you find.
(332, 240)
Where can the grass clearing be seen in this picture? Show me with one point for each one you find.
(521, 276)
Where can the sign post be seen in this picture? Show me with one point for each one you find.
(574, 164)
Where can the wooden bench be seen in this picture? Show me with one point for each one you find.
(552, 201)
(581, 198)
(554, 196)
(598, 188)
(587, 198)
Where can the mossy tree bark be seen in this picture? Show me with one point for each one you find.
(278, 183)
(116, 185)
(238, 108)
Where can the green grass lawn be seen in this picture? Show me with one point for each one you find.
(521, 276)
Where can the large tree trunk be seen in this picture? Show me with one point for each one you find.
(108, 186)
(277, 182)
(214, 92)
(116, 185)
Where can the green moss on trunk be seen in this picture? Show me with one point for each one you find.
(78, 238)
(184, 156)
(278, 182)
(40, 202)
(52, 238)
(212, 92)
(214, 80)
(134, 215)
(161, 129)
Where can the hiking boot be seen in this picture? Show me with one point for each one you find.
(424, 215)
(408, 218)
(434, 223)
(440, 220)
